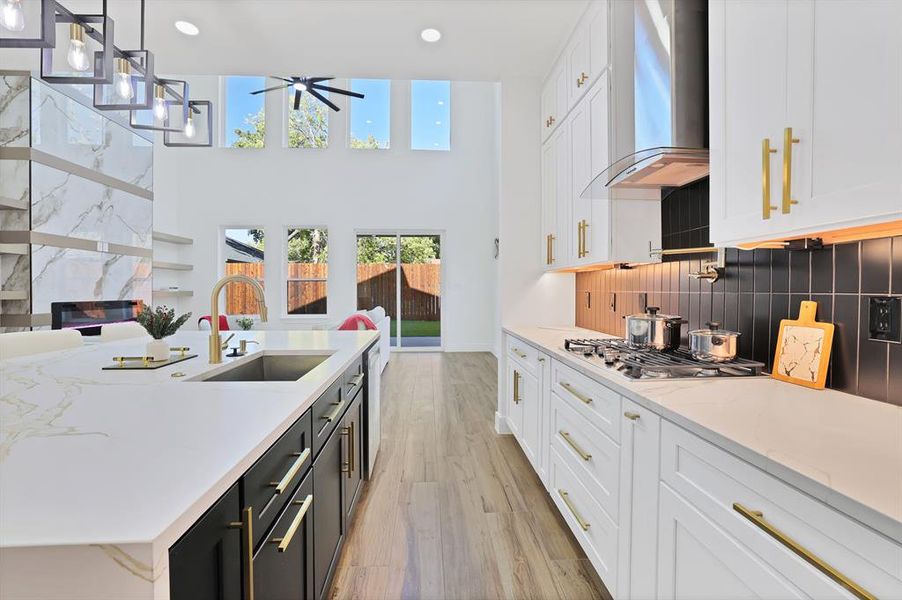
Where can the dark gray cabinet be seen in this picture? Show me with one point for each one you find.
(205, 564)
(283, 564)
(328, 514)
(352, 428)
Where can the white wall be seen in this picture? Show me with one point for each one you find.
(199, 190)
(527, 295)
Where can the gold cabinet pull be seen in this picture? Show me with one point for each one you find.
(346, 466)
(283, 542)
(548, 259)
(355, 381)
(518, 353)
(788, 141)
(352, 463)
(585, 238)
(331, 416)
(246, 525)
(517, 387)
(582, 453)
(566, 498)
(551, 246)
(572, 390)
(588, 300)
(632, 416)
(283, 483)
(757, 518)
(766, 151)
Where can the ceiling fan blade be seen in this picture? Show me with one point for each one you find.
(278, 87)
(318, 79)
(323, 99)
(336, 90)
(282, 78)
(297, 99)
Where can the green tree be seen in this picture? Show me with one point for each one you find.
(255, 135)
(414, 249)
(370, 143)
(308, 245)
(308, 127)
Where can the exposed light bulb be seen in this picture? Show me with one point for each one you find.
(78, 55)
(159, 103)
(122, 81)
(12, 17)
(190, 131)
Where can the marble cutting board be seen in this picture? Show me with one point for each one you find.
(803, 349)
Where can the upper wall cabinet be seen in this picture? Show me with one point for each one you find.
(806, 129)
(554, 99)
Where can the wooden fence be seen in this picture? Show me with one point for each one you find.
(376, 286)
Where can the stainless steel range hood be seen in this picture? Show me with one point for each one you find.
(670, 99)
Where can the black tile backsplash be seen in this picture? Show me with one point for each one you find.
(684, 216)
(761, 287)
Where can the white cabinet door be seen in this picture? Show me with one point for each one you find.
(549, 204)
(640, 442)
(548, 109)
(581, 171)
(530, 405)
(845, 108)
(697, 559)
(577, 59)
(544, 417)
(749, 44)
(563, 243)
(598, 210)
(513, 379)
(597, 18)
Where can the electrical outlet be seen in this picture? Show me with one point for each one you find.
(884, 315)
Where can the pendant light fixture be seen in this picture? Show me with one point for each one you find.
(12, 15)
(170, 108)
(77, 57)
(133, 81)
(94, 30)
(13, 20)
(198, 129)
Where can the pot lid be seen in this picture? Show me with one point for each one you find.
(714, 329)
(651, 314)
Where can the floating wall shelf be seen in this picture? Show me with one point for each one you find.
(172, 266)
(171, 238)
(172, 293)
(20, 249)
(13, 295)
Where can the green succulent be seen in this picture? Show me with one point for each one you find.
(245, 323)
(160, 322)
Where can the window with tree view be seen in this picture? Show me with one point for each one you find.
(244, 118)
(308, 271)
(243, 255)
(370, 124)
(308, 126)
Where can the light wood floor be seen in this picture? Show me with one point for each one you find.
(453, 510)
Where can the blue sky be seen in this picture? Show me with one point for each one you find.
(371, 115)
(430, 110)
(430, 127)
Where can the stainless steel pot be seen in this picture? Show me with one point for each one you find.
(713, 344)
(652, 330)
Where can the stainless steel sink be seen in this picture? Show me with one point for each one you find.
(271, 367)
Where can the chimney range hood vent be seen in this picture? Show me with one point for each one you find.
(670, 100)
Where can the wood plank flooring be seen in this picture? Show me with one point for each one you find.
(454, 511)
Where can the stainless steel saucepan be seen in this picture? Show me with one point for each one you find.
(713, 344)
(653, 330)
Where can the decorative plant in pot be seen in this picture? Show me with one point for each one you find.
(245, 323)
(160, 323)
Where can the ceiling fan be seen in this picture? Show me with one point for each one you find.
(312, 86)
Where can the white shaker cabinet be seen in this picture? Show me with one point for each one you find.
(805, 116)
(549, 204)
(555, 99)
(556, 205)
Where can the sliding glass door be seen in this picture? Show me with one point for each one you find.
(402, 273)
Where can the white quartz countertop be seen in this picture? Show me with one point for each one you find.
(108, 458)
(842, 449)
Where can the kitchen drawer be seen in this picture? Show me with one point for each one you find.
(283, 565)
(270, 481)
(326, 414)
(588, 452)
(595, 531)
(754, 506)
(352, 380)
(598, 404)
(524, 354)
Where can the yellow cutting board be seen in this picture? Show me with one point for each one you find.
(803, 349)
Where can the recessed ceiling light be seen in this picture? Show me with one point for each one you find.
(431, 35)
(187, 28)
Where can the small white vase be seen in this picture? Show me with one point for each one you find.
(158, 350)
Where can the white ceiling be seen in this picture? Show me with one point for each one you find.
(481, 39)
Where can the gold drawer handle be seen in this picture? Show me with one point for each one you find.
(757, 518)
(570, 388)
(246, 525)
(582, 453)
(349, 432)
(518, 353)
(517, 397)
(283, 483)
(355, 381)
(766, 151)
(295, 523)
(331, 416)
(788, 141)
(632, 416)
(566, 498)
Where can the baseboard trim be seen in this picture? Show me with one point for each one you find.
(501, 426)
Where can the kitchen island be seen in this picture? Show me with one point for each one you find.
(102, 472)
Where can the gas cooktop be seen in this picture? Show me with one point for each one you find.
(647, 364)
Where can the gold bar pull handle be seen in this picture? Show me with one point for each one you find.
(766, 151)
(517, 387)
(246, 525)
(585, 238)
(551, 253)
(788, 141)
(352, 454)
(295, 523)
(331, 416)
(576, 448)
(582, 398)
(757, 518)
(579, 519)
(632, 416)
(283, 483)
